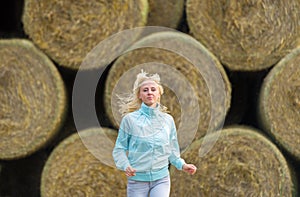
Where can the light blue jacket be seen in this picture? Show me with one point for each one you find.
(147, 141)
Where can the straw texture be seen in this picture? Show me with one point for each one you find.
(245, 35)
(279, 103)
(74, 168)
(242, 162)
(67, 30)
(32, 99)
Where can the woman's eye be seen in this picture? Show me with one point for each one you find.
(153, 89)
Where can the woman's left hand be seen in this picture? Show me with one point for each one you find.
(189, 168)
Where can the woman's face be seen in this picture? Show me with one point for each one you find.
(149, 93)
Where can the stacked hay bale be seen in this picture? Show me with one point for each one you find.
(242, 162)
(75, 167)
(279, 103)
(32, 99)
(186, 83)
(245, 35)
(68, 30)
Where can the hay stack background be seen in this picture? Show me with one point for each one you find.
(68, 30)
(245, 35)
(241, 163)
(279, 103)
(165, 13)
(158, 60)
(72, 170)
(32, 99)
(245, 86)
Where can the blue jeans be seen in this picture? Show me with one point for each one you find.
(158, 188)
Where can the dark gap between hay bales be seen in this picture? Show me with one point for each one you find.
(99, 100)
(22, 177)
(252, 83)
(239, 98)
(68, 127)
(10, 19)
(183, 25)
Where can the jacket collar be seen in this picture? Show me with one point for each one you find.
(149, 111)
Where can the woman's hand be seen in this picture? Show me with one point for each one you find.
(130, 171)
(189, 168)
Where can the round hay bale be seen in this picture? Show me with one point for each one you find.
(245, 35)
(73, 169)
(32, 99)
(242, 162)
(165, 13)
(67, 30)
(184, 83)
(279, 103)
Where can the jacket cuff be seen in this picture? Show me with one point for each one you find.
(183, 162)
(179, 164)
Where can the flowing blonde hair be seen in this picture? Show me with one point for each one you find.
(132, 102)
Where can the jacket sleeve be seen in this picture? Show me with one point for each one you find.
(175, 158)
(121, 147)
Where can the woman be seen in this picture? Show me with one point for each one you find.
(147, 141)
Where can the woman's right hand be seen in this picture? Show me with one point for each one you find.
(130, 171)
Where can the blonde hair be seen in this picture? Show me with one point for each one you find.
(132, 102)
